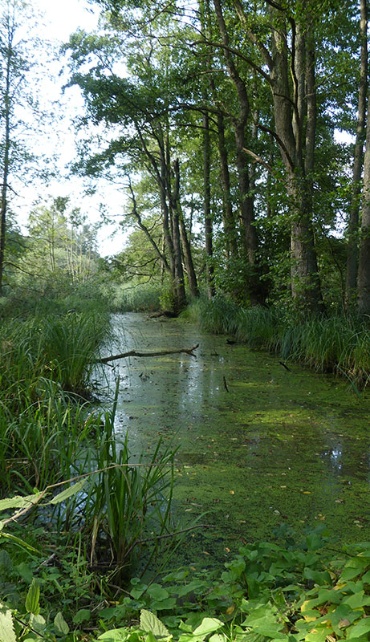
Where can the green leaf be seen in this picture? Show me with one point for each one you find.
(19, 542)
(20, 502)
(218, 637)
(359, 629)
(83, 615)
(60, 624)
(263, 620)
(207, 626)
(150, 623)
(116, 635)
(33, 598)
(157, 592)
(357, 600)
(6, 625)
(68, 492)
(354, 568)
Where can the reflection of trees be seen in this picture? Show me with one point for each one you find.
(347, 456)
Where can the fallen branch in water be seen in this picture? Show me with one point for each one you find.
(157, 353)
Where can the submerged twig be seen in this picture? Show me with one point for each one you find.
(157, 353)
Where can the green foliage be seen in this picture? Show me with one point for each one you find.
(268, 592)
(58, 348)
(137, 298)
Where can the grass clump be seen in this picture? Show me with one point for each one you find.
(217, 316)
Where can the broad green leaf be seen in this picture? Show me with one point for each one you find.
(150, 623)
(318, 634)
(6, 625)
(33, 598)
(163, 605)
(116, 635)
(83, 615)
(357, 630)
(218, 637)
(157, 592)
(357, 600)
(207, 626)
(60, 624)
(354, 568)
(68, 492)
(38, 623)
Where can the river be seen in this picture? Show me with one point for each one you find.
(261, 449)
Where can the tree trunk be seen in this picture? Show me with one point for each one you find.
(5, 162)
(185, 243)
(253, 287)
(295, 124)
(353, 223)
(364, 255)
(231, 244)
(207, 215)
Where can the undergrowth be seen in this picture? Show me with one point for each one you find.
(328, 344)
(269, 592)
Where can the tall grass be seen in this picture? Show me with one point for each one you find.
(60, 348)
(41, 427)
(338, 344)
(125, 510)
(218, 316)
(70, 344)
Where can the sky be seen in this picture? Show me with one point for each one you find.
(60, 19)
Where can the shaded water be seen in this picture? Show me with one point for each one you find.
(259, 446)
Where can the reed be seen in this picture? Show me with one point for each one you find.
(70, 344)
(131, 508)
(259, 327)
(217, 316)
(41, 446)
(126, 507)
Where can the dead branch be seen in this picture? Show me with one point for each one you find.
(157, 353)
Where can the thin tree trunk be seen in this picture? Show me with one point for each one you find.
(353, 223)
(246, 198)
(364, 255)
(228, 215)
(207, 215)
(185, 243)
(6, 166)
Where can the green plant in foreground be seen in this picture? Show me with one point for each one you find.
(266, 594)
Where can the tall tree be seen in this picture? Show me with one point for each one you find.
(353, 222)
(19, 49)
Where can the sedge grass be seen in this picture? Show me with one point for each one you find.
(126, 507)
(327, 344)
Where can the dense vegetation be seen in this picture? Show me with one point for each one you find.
(238, 131)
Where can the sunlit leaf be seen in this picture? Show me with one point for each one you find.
(150, 623)
(60, 624)
(20, 502)
(68, 492)
(6, 625)
(207, 626)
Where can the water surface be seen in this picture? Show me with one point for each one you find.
(258, 446)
